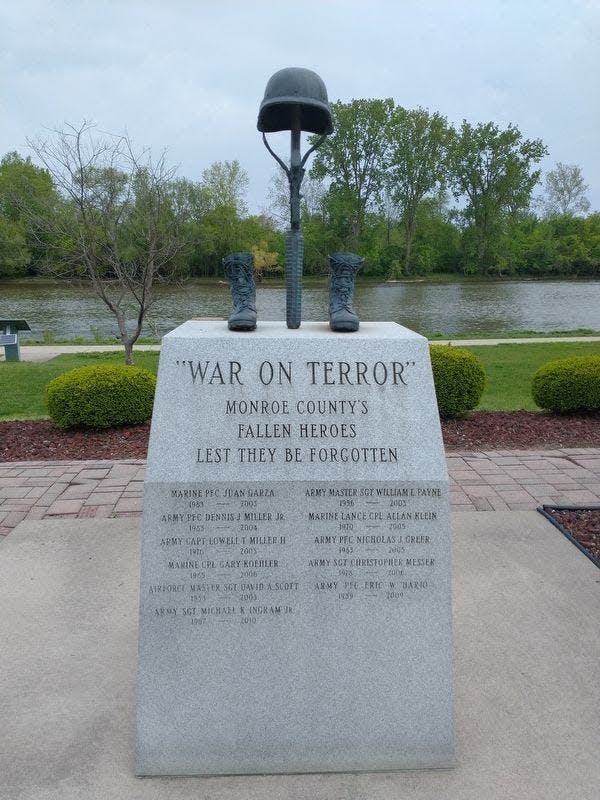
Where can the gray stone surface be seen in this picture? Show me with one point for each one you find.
(295, 599)
(526, 606)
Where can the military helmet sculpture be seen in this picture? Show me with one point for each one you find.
(290, 88)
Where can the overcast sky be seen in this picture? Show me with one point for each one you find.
(189, 75)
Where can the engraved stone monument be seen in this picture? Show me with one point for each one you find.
(295, 595)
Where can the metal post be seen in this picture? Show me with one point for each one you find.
(294, 250)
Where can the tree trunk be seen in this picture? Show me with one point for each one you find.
(409, 233)
(407, 253)
(126, 340)
(355, 231)
(128, 345)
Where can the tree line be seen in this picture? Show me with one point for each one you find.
(403, 188)
(414, 195)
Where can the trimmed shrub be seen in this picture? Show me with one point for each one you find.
(459, 379)
(568, 385)
(101, 396)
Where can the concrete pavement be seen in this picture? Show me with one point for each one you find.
(527, 649)
(527, 656)
(526, 605)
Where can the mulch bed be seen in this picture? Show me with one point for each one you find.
(521, 430)
(583, 525)
(41, 440)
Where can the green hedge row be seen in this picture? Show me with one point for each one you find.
(102, 396)
(568, 385)
(459, 379)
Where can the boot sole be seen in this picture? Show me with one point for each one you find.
(348, 327)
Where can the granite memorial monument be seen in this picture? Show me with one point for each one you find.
(295, 608)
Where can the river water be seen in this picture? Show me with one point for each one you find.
(64, 312)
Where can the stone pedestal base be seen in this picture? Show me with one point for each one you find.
(295, 592)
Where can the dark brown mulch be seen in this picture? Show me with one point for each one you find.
(521, 430)
(583, 525)
(41, 440)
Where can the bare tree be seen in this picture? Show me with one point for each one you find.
(565, 191)
(312, 199)
(118, 226)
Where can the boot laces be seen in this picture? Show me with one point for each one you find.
(342, 284)
(243, 291)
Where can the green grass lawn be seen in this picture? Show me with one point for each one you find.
(22, 383)
(509, 369)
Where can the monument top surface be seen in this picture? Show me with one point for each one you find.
(275, 330)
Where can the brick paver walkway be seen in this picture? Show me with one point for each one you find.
(69, 489)
(500, 480)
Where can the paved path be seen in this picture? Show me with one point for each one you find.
(500, 480)
(46, 352)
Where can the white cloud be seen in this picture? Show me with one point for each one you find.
(189, 75)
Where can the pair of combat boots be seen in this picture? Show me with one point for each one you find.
(239, 269)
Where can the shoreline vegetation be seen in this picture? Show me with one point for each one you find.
(312, 282)
(321, 279)
(424, 198)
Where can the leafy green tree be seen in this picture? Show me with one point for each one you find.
(219, 209)
(539, 249)
(225, 184)
(25, 191)
(312, 199)
(319, 229)
(560, 245)
(418, 155)
(437, 240)
(188, 199)
(576, 244)
(219, 233)
(492, 170)
(355, 159)
(15, 253)
(188, 202)
(118, 227)
(565, 191)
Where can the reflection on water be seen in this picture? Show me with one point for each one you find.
(429, 308)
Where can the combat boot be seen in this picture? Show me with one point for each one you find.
(342, 269)
(239, 269)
